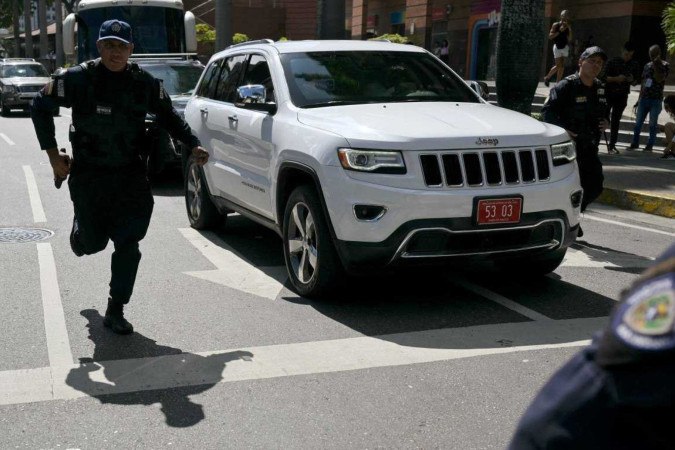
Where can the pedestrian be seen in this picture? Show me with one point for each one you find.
(578, 104)
(561, 35)
(617, 393)
(620, 73)
(111, 195)
(651, 94)
(669, 128)
(445, 52)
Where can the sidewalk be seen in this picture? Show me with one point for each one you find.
(634, 179)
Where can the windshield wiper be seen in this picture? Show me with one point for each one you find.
(333, 103)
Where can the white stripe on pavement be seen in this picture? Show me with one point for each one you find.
(233, 270)
(274, 361)
(628, 225)
(34, 195)
(510, 304)
(58, 344)
(6, 139)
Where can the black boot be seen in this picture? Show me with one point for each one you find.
(75, 244)
(114, 318)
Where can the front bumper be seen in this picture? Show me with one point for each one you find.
(18, 100)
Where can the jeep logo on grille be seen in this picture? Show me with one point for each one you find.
(487, 141)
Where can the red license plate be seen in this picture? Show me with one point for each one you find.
(502, 210)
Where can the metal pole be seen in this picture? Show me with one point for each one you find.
(17, 31)
(59, 33)
(27, 28)
(42, 23)
(223, 24)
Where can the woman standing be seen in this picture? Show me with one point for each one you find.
(561, 35)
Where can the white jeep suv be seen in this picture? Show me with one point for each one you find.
(368, 154)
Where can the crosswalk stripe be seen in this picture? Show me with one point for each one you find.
(274, 361)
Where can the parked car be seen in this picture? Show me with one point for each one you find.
(20, 81)
(366, 154)
(179, 78)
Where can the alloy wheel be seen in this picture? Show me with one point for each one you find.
(302, 243)
(194, 192)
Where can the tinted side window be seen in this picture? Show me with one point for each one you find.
(229, 78)
(208, 85)
(258, 72)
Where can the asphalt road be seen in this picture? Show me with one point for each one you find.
(226, 356)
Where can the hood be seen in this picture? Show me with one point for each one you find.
(429, 125)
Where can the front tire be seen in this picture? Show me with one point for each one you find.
(4, 109)
(201, 211)
(311, 259)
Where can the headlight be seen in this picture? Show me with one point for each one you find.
(563, 153)
(9, 89)
(378, 161)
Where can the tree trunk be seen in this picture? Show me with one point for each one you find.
(519, 51)
(27, 28)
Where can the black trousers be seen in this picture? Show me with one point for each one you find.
(616, 104)
(113, 205)
(590, 171)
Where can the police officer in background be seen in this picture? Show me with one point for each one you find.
(617, 393)
(111, 195)
(578, 104)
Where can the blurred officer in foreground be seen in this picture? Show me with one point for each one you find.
(108, 184)
(618, 393)
(578, 104)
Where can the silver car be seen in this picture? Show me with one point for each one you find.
(20, 81)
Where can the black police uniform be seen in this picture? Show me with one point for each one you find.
(108, 184)
(618, 393)
(579, 108)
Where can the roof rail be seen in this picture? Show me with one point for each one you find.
(163, 56)
(258, 41)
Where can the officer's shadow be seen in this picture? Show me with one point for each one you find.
(134, 370)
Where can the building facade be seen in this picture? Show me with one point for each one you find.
(471, 27)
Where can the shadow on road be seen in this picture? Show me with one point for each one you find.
(135, 370)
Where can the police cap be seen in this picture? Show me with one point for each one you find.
(115, 29)
(592, 51)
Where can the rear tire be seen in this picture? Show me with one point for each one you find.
(535, 265)
(201, 211)
(311, 259)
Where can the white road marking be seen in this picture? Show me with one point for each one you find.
(596, 258)
(6, 139)
(628, 225)
(274, 361)
(34, 195)
(232, 270)
(58, 344)
(510, 304)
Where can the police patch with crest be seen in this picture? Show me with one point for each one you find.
(646, 319)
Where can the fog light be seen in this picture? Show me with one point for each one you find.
(576, 197)
(369, 213)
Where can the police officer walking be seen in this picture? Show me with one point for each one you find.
(111, 195)
(578, 104)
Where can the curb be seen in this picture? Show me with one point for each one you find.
(638, 201)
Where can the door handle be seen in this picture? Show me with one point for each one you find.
(204, 110)
(233, 118)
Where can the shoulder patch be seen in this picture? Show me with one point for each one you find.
(645, 320)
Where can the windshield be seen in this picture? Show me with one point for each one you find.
(24, 70)
(350, 77)
(155, 29)
(176, 79)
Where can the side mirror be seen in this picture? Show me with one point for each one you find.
(254, 96)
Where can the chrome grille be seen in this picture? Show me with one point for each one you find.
(28, 89)
(487, 168)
